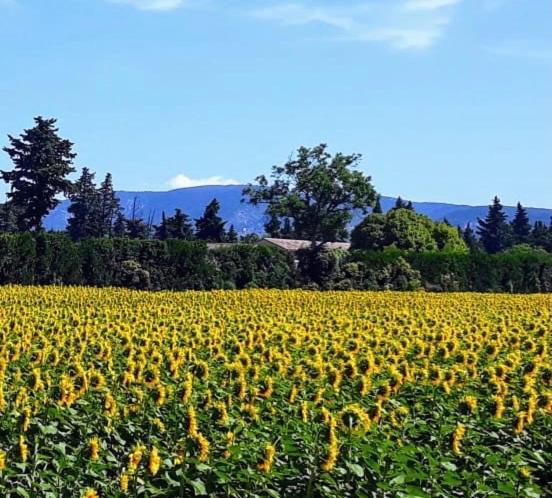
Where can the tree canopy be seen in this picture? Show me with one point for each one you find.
(316, 191)
(42, 161)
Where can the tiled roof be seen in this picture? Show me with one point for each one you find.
(294, 245)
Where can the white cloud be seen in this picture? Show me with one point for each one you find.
(183, 181)
(157, 5)
(402, 24)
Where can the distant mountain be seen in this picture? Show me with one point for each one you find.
(248, 219)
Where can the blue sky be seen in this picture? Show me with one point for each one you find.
(447, 100)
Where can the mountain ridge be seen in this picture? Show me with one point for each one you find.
(250, 219)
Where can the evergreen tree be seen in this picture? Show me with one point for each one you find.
(409, 206)
(470, 239)
(84, 208)
(210, 226)
(494, 231)
(179, 226)
(541, 236)
(399, 203)
(42, 161)
(377, 207)
(119, 225)
(8, 218)
(110, 207)
(161, 230)
(521, 228)
(232, 235)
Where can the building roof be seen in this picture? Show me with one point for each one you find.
(294, 245)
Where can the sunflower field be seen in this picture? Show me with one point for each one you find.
(113, 393)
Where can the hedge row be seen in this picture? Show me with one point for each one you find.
(144, 264)
(49, 258)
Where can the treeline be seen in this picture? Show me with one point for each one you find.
(313, 197)
(47, 258)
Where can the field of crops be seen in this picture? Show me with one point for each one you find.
(274, 393)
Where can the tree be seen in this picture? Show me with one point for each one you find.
(161, 230)
(119, 225)
(369, 234)
(210, 226)
(110, 207)
(316, 191)
(399, 203)
(8, 218)
(406, 230)
(136, 227)
(232, 235)
(541, 236)
(42, 161)
(273, 224)
(84, 208)
(377, 207)
(179, 226)
(470, 239)
(494, 231)
(521, 228)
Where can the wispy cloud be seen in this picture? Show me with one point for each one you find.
(528, 49)
(155, 5)
(183, 181)
(402, 24)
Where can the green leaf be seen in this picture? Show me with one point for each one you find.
(356, 469)
(199, 487)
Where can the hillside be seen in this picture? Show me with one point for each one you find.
(247, 218)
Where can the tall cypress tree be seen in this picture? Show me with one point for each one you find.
(84, 208)
(161, 230)
(399, 203)
(210, 226)
(494, 231)
(521, 228)
(377, 207)
(42, 161)
(110, 207)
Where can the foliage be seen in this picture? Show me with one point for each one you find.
(404, 229)
(210, 227)
(113, 393)
(42, 160)
(494, 231)
(84, 208)
(316, 191)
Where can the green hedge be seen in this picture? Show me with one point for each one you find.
(52, 258)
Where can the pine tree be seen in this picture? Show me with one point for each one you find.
(210, 227)
(179, 226)
(377, 207)
(409, 206)
(119, 225)
(541, 236)
(8, 218)
(494, 231)
(84, 208)
(42, 161)
(110, 207)
(232, 235)
(161, 230)
(399, 203)
(521, 228)
(470, 239)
